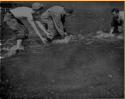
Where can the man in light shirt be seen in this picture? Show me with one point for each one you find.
(13, 20)
(117, 24)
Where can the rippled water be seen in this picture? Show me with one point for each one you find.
(10, 48)
(83, 67)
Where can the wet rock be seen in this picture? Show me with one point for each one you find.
(65, 40)
(109, 76)
(97, 17)
(81, 30)
(80, 37)
(103, 19)
(91, 87)
(120, 36)
(53, 81)
(89, 13)
(101, 34)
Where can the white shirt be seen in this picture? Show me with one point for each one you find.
(21, 12)
(121, 14)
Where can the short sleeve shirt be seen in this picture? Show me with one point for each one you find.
(21, 12)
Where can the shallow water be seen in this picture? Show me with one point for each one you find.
(79, 69)
(10, 48)
(87, 67)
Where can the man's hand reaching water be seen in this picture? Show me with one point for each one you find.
(44, 41)
(49, 36)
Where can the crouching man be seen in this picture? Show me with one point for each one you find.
(13, 20)
(54, 21)
(117, 24)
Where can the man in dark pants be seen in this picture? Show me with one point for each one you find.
(54, 21)
(21, 32)
(13, 20)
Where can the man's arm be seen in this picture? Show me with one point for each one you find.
(36, 30)
(112, 26)
(112, 29)
(63, 22)
(123, 23)
(44, 30)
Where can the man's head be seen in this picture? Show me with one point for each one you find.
(37, 8)
(115, 13)
(68, 11)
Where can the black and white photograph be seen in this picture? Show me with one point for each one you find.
(62, 49)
